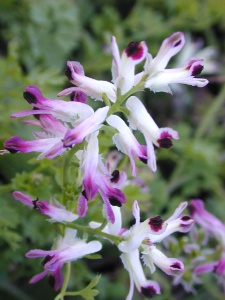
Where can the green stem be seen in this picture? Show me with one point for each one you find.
(61, 295)
(106, 100)
(66, 169)
(96, 231)
(209, 116)
(121, 98)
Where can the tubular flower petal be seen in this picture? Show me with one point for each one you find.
(126, 141)
(170, 266)
(56, 213)
(48, 141)
(132, 264)
(159, 78)
(123, 69)
(140, 119)
(88, 167)
(93, 88)
(185, 75)
(207, 221)
(86, 127)
(49, 148)
(63, 110)
(68, 248)
(206, 268)
(170, 47)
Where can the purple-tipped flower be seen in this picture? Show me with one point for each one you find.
(126, 142)
(154, 230)
(210, 224)
(86, 127)
(65, 249)
(159, 78)
(96, 89)
(123, 68)
(63, 110)
(88, 167)
(48, 142)
(140, 119)
(132, 264)
(56, 212)
(111, 196)
(171, 266)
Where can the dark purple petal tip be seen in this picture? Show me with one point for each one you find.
(115, 176)
(135, 50)
(32, 94)
(114, 201)
(176, 266)
(13, 144)
(68, 73)
(186, 218)
(148, 291)
(197, 70)
(144, 160)
(46, 259)
(156, 223)
(165, 143)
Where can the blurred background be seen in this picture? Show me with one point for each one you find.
(36, 40)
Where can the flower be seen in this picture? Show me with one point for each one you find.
(123, 68)
(140, 119)
(132, 264)
(56, 211)
(98, 178)
(86, 127)
(67, 248)
(126, 142)
(210, 224)
(62, 110)
(159, 78)
(48, 142)
(94, 88)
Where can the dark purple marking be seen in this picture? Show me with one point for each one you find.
(156, 223)
(115, 176)
(134, 50)
(197, 70)
(114, 201)
(29, 97)
(148, 291)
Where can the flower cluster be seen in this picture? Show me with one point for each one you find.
(74, 129)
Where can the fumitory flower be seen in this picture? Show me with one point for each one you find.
(159, 78)
(48, 141)
(140, 119)
(65, 249)
(97, 178)
(126, 141)
(68, 111)
(86, 127)
(55, 210)
(123, 68)
(96, 89)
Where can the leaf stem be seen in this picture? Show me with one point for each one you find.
(61, 295)
(95, 232)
